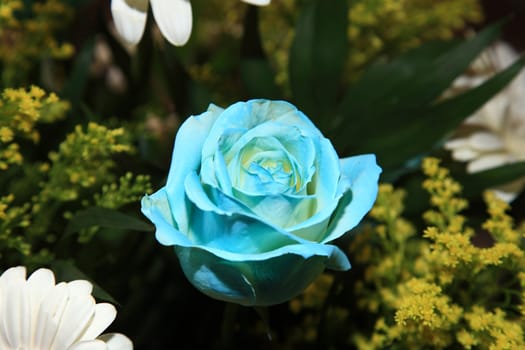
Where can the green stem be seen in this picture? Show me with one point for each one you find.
(228, 325)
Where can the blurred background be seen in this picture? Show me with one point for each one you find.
(78, 152)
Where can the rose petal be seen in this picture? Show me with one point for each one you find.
(157, 208)
(291, 209)
(359, 181)
(247, 115)
(271, 278)
(234, 232)
(174, 18)
(186, 158)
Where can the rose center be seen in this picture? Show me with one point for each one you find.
(271, 171)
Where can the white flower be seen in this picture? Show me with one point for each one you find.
(37, 314)
(174, 18)
(495, 134)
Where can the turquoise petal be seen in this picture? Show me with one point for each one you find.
(157, 208)
(291, 209)
(325, 185)
(359, 183)
(247, 115)
(257, 282)
(186, 158)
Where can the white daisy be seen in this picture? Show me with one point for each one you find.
(495, 134)
(37, 314)
(174, 18)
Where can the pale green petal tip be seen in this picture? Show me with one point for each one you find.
(338, 260)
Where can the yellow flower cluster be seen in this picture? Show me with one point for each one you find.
(128, 189)
(390, 26)
(392, 254)
(441, 290)
(20, 111)
(80, 173)
(501, 332)
(376, 28)
(12, 217)
(452, 251)
(25, 39)
(84, 160)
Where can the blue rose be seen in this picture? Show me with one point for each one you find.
(253, 197)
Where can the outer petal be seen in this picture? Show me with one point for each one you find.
(186, 158)
(284, 243)
(259, 282)
(130, 20)
(359, 183)
(236, 233)
(174, 18)
(157, 208)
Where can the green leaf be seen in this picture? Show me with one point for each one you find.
(317, 56)
(408, 140)
(474, 184)
(256, 73)
(396, 93)
(67, 271)
(108, 218)
(76, 84)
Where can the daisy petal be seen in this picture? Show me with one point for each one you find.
(130, 21)
(16, 315)
(12, 274)
(504, 196)
(116, 341)
(104, 315)
(49, 316)
(76, 317)
(488, 161)
(485, 141)
(79, 288)
(174, 18)
(258, 2)
(89, 345)
(456, 143)
(464, 154)
(39, 284)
